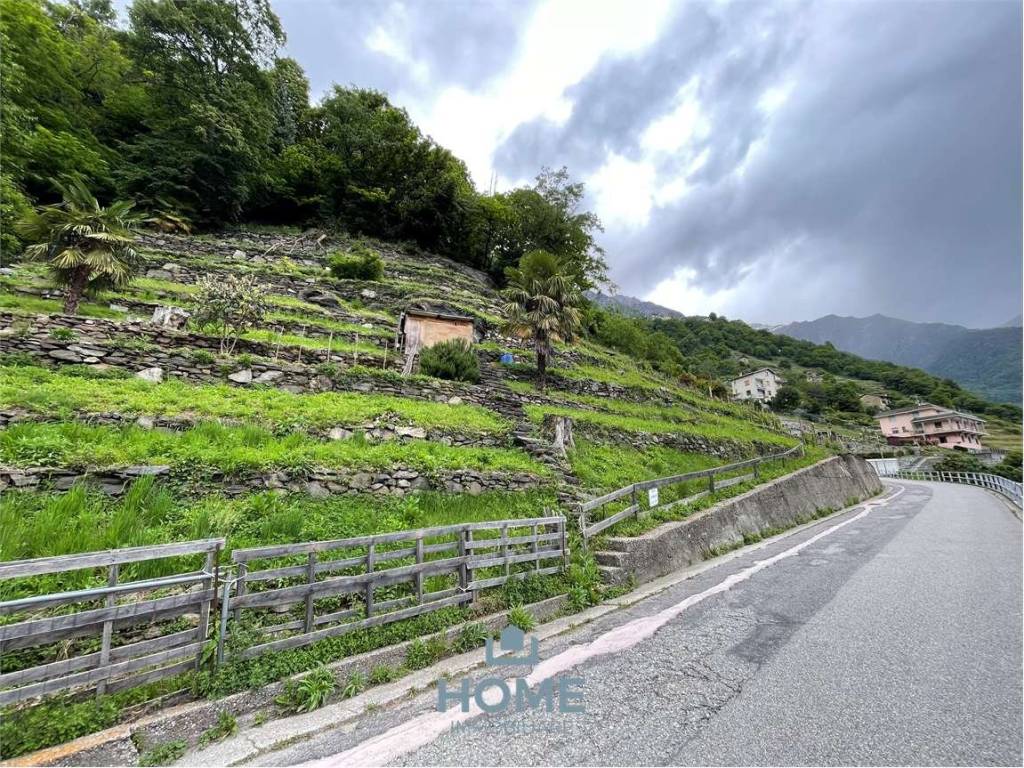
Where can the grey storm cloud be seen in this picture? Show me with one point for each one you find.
(458, 41)
(897, 155)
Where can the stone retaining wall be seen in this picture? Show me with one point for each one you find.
(782, 503)
(319, 483)
(122, 343)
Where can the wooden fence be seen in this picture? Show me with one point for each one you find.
(591, 529)
(113, 613)
(330, 588)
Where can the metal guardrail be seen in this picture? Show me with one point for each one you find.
(1001, 485)
(591, 529)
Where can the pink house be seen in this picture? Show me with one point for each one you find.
(927, 424)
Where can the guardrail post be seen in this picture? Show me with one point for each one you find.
(757, 469)
(711, 483)
(636, 503)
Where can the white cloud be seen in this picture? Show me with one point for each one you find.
(680, 292)
(623, 191)
(563, 41)
(677, 129)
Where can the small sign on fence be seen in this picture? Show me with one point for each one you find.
(652, 497)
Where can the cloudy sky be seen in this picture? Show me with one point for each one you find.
(766, 161)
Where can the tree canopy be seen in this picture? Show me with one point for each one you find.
(191, 110)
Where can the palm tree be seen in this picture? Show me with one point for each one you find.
(543, 301)
(86, 245)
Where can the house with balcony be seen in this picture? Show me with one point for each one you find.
(760, 385)
(927, 424)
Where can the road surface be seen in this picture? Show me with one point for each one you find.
(887, 635)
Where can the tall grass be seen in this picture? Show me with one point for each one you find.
(214, 447)
(55, 393)
(709, 425)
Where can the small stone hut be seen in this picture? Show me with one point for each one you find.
(419, 329)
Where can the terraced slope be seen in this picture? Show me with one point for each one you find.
(308, 431)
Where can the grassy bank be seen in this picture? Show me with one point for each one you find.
(54, 393)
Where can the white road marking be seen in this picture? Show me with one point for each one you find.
(425, 728)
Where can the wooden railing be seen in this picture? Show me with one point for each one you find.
(113, 613)
(330, 588)
(590, 529)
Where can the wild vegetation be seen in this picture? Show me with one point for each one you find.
(189, 114)
(191, 111)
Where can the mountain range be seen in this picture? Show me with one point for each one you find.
(986, 361)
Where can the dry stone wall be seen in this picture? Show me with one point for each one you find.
(319, 483)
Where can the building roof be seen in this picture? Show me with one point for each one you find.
(772, 371)
(437, 315)
(906, 409)
(943, 413)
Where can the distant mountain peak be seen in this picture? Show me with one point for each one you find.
(632, 306)
(986, 361)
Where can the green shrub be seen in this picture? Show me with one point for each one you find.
(470, 636)
(355, 685)
(63, 334)
(422, 654)
(359, 264)
(453, 360)
(383, 674)
(309, 693)
(522, 618)
(164, 754)
(226, 726)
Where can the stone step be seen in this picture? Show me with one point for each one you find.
(616, 545)
(610, 558)
(613, 576)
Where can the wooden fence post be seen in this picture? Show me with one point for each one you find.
(108, 628)
(536, 556)
(204, 607)
(419, 574)
(369, 584)
(240, 586)
(310, 579)
(504, 550)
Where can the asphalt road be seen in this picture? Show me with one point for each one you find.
(891, 636)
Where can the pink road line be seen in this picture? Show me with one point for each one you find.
(422, 730)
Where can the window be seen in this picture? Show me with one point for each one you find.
(942, 439)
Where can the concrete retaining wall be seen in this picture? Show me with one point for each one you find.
(781, 503)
